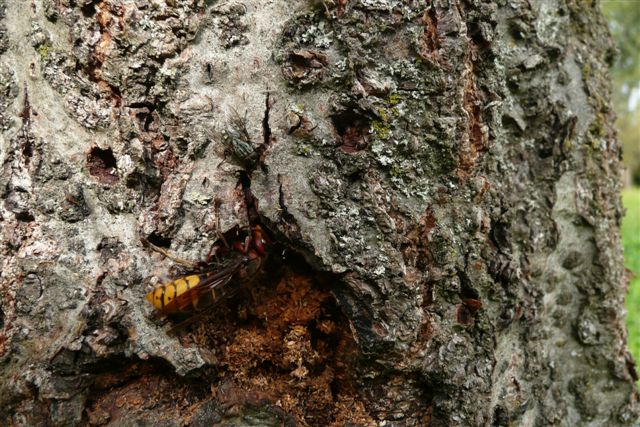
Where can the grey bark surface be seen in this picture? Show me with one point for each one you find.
(444, 178)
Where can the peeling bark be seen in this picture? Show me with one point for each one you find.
(439, 185)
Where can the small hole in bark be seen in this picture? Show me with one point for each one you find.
(352, 129)
(88, 10)
(144, 113)
(27, 148)
(25, 216)
(545, 151)
(476, 35)
(102, 165)
(467, 291)
(305, 66)
(1, 318)
(464, 315)
(158, 240)
(208, 71)
(501, 417)
(147, 122)
(109, 248)
(518, 29)
(511, 124)
(303, 59)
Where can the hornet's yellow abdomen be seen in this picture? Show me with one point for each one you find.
(175, 296)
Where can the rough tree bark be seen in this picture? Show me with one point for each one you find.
(440, 182)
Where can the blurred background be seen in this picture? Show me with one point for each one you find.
(624, 22)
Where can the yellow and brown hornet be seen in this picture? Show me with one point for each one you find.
(235, 267)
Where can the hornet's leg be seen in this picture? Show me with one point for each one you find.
(189, 264)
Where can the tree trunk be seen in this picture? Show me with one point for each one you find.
(438, 187)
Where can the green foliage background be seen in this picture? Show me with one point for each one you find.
(624, 24)
(631, 242)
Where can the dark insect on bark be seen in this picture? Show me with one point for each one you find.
(238, 143)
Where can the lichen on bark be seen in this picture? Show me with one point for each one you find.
(440, 183)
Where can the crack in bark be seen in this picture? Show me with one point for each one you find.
(25, 115)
